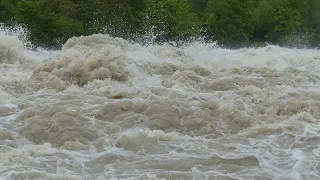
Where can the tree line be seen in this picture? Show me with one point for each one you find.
(233, 23)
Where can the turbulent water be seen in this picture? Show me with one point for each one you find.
(104, 108)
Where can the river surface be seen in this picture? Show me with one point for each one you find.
(103, 108)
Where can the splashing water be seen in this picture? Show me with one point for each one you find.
(104, 108)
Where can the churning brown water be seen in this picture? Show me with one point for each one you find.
(104, 108)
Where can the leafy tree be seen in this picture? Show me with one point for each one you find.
(312, 21)
(6, 11)
(109, 16)
(198, 6)
(230, 21)
(65, 8)
(137, 6)
(280, 18)
(48, 23)
(170, 19)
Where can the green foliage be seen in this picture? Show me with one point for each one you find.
(230, 22)
(6, 11)
(105, 16)
(198, 6)
(280, 18)
(312, 20)
(136, 5)
(49, 22)
(169, 19)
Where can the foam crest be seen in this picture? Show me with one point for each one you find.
(11, 50)
(79, 64)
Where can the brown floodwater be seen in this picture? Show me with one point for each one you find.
(103, 108)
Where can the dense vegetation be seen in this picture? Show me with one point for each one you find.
(230, 22)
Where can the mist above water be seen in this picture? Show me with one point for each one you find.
(104, 108)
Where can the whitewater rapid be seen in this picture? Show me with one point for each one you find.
(104, 108)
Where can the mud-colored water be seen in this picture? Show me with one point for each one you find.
(104, 108)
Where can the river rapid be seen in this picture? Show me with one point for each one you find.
(103, 108)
